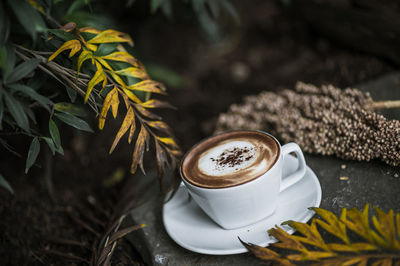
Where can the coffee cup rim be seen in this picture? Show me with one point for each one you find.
(186, 181)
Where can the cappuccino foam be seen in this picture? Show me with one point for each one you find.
(227, 158)
(230, 159)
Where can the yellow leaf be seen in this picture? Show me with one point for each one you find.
(353, 261)
(128, 120)
(98, 77)
(383, 262)
(379, 249)
(312, 255)
(90, 30)
(126, 99)
(266, 253)
(133, 72)
(160, 125)
(162, 160)
(121, 48)
(85, 55)
(115, 103)
(149, 86)
(359, 222)
(103, 62)
(110, 100)
(344, 261)
(398, 224)
(131, 132)
(153, 103)
(110, 36)
(37, 6)
(121, 57)
(343, 217)
(117, 79)
(355, 247)
(73, 45)
(92, 47)
(131, 96)
(175, 152)
(311, 234)
(384, 224)
(333, 225)
(286, 241)
(139, 150)
(146, 112)
(169, 142)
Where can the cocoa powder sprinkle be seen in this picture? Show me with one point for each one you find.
(233, 157)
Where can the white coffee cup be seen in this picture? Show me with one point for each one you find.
(250, 202)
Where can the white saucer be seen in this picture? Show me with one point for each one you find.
(192, 229)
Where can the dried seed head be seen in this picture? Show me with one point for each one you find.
(324, 120)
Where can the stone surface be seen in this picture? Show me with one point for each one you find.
(367, 182)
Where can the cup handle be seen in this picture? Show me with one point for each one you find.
(293, 178)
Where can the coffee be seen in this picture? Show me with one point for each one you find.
(230, 159)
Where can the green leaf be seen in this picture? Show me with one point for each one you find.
(71, 93)
(17, 111)
(209, 25)
(73, 45)
(198, 5)
(165, 75)
(38, 82)
(105, 49)
(4, 25)
(155, 4)
(42, 100)
(214, 8)
(70, 109)
(73, 121)
(29, 113)
(55, 135)
(28, 16)
(51, 145)
(22, 70)
(1, 109)
(32, 154)
(63, 35)
(227, 5)
(5, 184)
(7, 58)
(166, 8)
(77, 4)
(3, 57)
(10, 57)
(98, 21)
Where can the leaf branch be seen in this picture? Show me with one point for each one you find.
(65, 76)
(105, 75)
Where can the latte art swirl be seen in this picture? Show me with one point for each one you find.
(230, 159)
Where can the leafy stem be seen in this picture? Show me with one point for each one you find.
(65, 76)
(115, 78)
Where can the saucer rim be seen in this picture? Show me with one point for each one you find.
(308, 215)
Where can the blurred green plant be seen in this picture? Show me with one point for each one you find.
(206, 12)
(33, 105)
